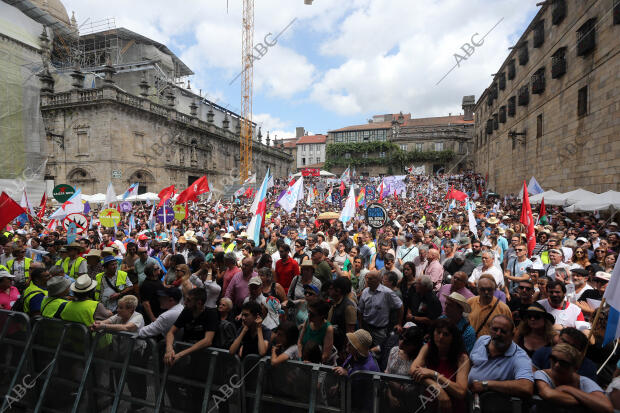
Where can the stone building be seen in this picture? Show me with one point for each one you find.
(552, 109)
(387, 144)
(119, 108)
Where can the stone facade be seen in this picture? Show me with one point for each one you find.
(553, 109)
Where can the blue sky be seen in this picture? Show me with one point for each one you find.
(340, 62)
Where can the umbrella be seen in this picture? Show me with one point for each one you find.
(328, 215)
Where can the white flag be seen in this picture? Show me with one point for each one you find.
(73, 204)
(472, 220)
(348, 211)
(292, 195)
(110, 195)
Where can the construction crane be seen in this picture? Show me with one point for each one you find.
(247, 79)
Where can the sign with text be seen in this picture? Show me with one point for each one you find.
(63, 192)
(376, 215)
(310, 172)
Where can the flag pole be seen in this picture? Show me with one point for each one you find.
(592, 327)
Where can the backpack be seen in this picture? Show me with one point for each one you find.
(19, 304)
(226, 334)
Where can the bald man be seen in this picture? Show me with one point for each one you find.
(434, 269)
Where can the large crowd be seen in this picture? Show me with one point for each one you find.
(422, 297)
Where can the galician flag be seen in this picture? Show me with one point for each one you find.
(348, 212)
(131, 191)
(258, 211)
(612, 297)
(110, 196)
(73, 204)
(292, 195)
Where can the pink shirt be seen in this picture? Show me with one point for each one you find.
(445, 290)
(435, 271)
(228, 275)
(7, 300)
(238, 289)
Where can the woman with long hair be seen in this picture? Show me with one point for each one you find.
(407, 282)
(609, 261)
(443, 361)
(399, 362)
(535, 330)
(580, 257)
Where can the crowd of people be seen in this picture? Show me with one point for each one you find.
(422, 297)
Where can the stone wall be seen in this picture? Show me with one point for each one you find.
(565, 151)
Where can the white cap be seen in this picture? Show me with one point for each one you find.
(6, 274)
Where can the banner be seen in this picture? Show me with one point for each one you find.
(371, 193)
(310, 172)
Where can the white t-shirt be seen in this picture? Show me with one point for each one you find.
(494, 271)
(136, 319)
(566, 316)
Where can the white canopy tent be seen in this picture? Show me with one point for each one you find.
(322, 173)
(577, 195)
(548, 195)
(598, 202)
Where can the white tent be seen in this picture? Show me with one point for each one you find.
(577, 195)
(147, 196)
(548, 195)
(94, 199)
(322, 173)
(598, 202)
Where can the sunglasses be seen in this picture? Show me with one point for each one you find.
(520, 250)
(524, 288)
(579, 252)
(563, 363)
(600, 251)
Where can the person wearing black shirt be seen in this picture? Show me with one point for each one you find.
(600, 281)
(148, 293)
(519, 302)
(199, 325)
(424, 307)
(253, 337)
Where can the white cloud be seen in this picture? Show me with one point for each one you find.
(275, 126)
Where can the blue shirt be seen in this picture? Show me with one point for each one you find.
(514, 364)
(540, 360)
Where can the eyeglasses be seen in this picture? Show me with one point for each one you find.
(563, 363)
(579, 252)
(600, 250)
(524, 288)
(520, 249)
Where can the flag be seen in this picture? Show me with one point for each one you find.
(534, 187)
(70, 206)
(527, 219)
(542, 213)
(310, 198)
(612, 297)
(480, 190)
(455, 194)
(200, 186)
(361, 198)
(292, 195)
(28, 210)
(110, 195)
(132, 223)
(51, 226)
(345, 177)
(250, 180)
(86, 207)
(210, 197)
(42, 206)
(348, 211)
(328, 196)
(342, 188)
(270, 183)
(239, 191)
(258, 211)
(381, 192)
(152, 217)
(9, 209)
(165, 194)
(471, 220)
(132, 190)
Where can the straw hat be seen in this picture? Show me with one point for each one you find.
(93, 253)
(361, 340)
(460, 300)
(493, 221)
(83, 284)
(306, 263)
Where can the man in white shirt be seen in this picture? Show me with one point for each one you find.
(555, 258)
(487, 267)
(407, 252)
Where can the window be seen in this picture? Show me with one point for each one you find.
(501, 80)
(582, 101)
(403, 147)
(586, 37)
(524, 55)
(381, 154)
(524, 95)
(494, 90)
(82, 142)
(310, 160)
(502, 114)
(559, 11)
(512, 106)
(461, 147)
(438, 146)
(489, 128)
(495, 122)
(347, 155)
(512, 71)
(539, 34)
(303, 161)
(418, 147)
(558, 63)
(365, 155)
(539, 125)
(538, 81)
(489, 97)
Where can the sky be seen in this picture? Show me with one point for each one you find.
(336, 62)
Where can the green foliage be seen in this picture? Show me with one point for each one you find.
(394, 156)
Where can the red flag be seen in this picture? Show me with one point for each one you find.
(381, 192)
(527, 219)
(543, 210)
(9, 209)
(42, 205)
(165, 194)
(395, 196)
(456, 194)
(342, 188)
(200, 186)
(480, 190)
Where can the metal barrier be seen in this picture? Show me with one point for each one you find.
(292, 386)
(57, 366)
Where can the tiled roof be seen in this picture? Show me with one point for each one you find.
(312, 139)
(433, 121)
(290, 144)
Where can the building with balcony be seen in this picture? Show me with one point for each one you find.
(553, 106)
